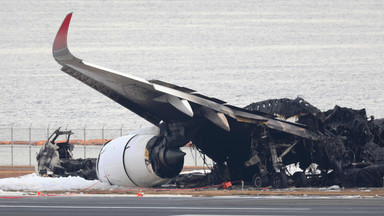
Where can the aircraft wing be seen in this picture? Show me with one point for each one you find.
(155, 100)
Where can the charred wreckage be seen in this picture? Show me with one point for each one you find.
(55, 158)
(254, 143)
(349, 152)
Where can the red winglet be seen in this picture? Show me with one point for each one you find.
(61, 37)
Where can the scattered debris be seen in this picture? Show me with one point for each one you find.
(192, 180)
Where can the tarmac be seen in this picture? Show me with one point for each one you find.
(211, 191)
(206, 201)
(179, 205)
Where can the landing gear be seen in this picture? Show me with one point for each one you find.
(279, 180)
(300, 179)
(260, 181)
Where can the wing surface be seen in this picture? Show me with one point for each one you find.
(156, 100)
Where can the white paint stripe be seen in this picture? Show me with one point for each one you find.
(148, 207)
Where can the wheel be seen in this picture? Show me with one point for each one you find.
(300, 179)
(279, 180)
(260, 181)
(257, 181)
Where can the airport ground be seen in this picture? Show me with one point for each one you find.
(236, 190)
(179, 205)
(210, 201)
(15, 171)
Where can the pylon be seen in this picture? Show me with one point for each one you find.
(140, 194)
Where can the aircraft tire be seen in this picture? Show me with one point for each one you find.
(300, 179)
(259, 181)
(279, 180)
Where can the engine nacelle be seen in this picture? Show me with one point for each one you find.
(141, 158)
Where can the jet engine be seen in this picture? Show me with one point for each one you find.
(141, 158)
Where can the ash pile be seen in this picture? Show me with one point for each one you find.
(56, 159)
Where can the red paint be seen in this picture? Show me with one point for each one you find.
(61, 37)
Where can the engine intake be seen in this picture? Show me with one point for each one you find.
(139, 160)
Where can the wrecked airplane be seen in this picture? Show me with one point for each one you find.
(254, 143)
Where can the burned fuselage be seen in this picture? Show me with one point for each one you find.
(350, 143)
(349, 150)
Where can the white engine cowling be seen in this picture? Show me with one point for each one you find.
(138, 159)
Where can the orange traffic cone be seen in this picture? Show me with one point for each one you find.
(227, 184)
(140, 194)
(40, 194)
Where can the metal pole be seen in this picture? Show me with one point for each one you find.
(48, 130)
(12, 145)
(102, 133)
(85, 137)
(30, 143)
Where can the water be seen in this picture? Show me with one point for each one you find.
(328, 52)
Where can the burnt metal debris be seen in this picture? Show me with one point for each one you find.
(56, 159)
(349, 152)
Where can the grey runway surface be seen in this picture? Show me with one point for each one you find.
(112, 205)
